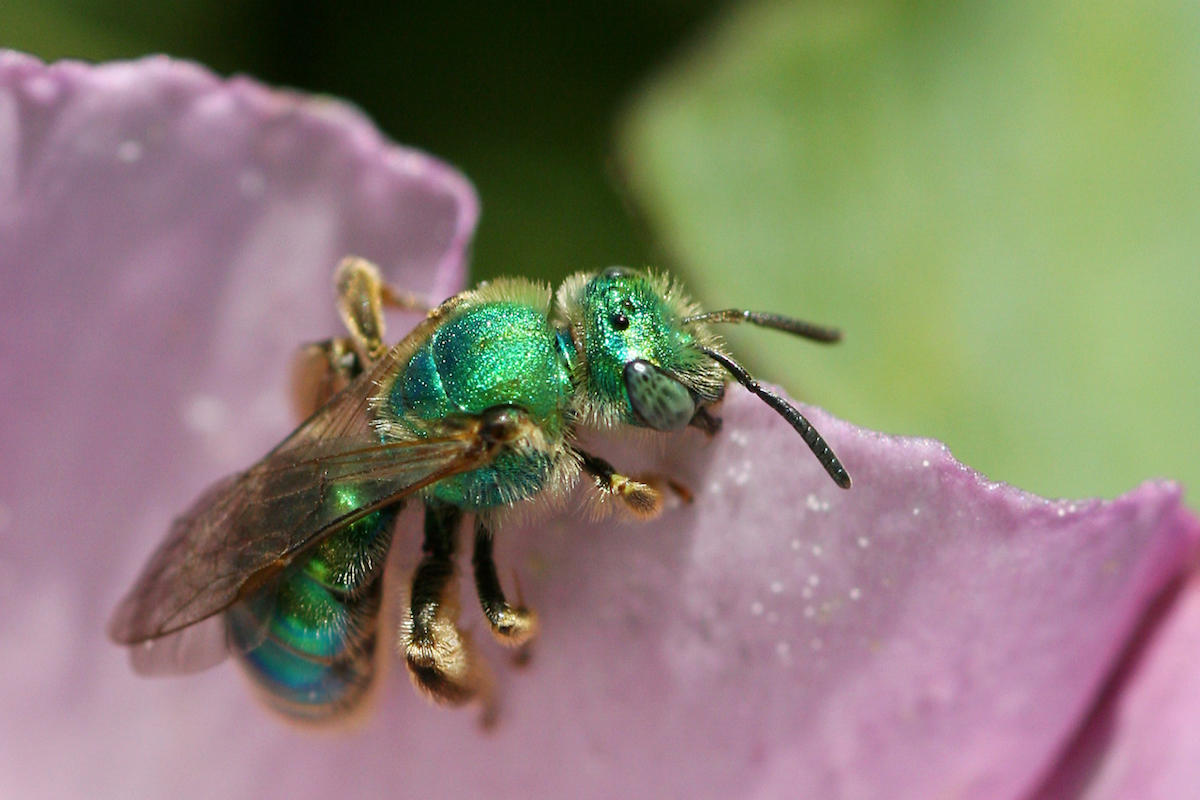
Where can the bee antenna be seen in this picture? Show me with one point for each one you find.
(809, 330)
(807, 432)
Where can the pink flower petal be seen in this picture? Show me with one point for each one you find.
(925, 634)
(1141, 740)
(168, 239)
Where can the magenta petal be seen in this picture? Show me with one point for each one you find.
(1142, 741)
(167, 239)
(926, 634)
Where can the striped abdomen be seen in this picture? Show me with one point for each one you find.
(308, 640)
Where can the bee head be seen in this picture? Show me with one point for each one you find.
(644, 355)
(637, 361)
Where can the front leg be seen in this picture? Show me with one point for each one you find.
(438, 654)
(511, 626)
(643, 498)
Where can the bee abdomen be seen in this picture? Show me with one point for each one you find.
(308, 641)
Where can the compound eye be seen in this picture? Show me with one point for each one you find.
(658, 400)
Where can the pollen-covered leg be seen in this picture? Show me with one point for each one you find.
(360, 304)
(643, 498)
(438, 654)
(362, 294)
(512, 626)
(322, 369)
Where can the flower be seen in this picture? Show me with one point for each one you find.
(168, 238)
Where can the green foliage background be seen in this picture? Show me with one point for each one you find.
(998, 201)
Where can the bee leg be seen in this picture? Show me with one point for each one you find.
(360, 304)
(643, 498)
(439, 656)
(706, 422)
(511, 626)
(322, 369)
(362, 294)
(319, 371)
(402, 300)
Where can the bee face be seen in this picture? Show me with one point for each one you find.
(640, 359)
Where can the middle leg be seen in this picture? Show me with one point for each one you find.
(439, 655)
(511, 626)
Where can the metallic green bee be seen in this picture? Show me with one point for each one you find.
(474, 412)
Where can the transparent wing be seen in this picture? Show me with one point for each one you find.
(246, 528)
(207, 642)
(192, 649)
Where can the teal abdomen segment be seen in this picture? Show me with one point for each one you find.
(495, 353)
(308, 640)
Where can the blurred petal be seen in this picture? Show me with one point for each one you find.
(926, 634)
(167, 239)
(1141, 740)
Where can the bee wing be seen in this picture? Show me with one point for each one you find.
(192, 649)
(245, 529)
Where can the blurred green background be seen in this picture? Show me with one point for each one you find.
(999, 202)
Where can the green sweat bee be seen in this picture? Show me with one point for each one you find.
(474, 412)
